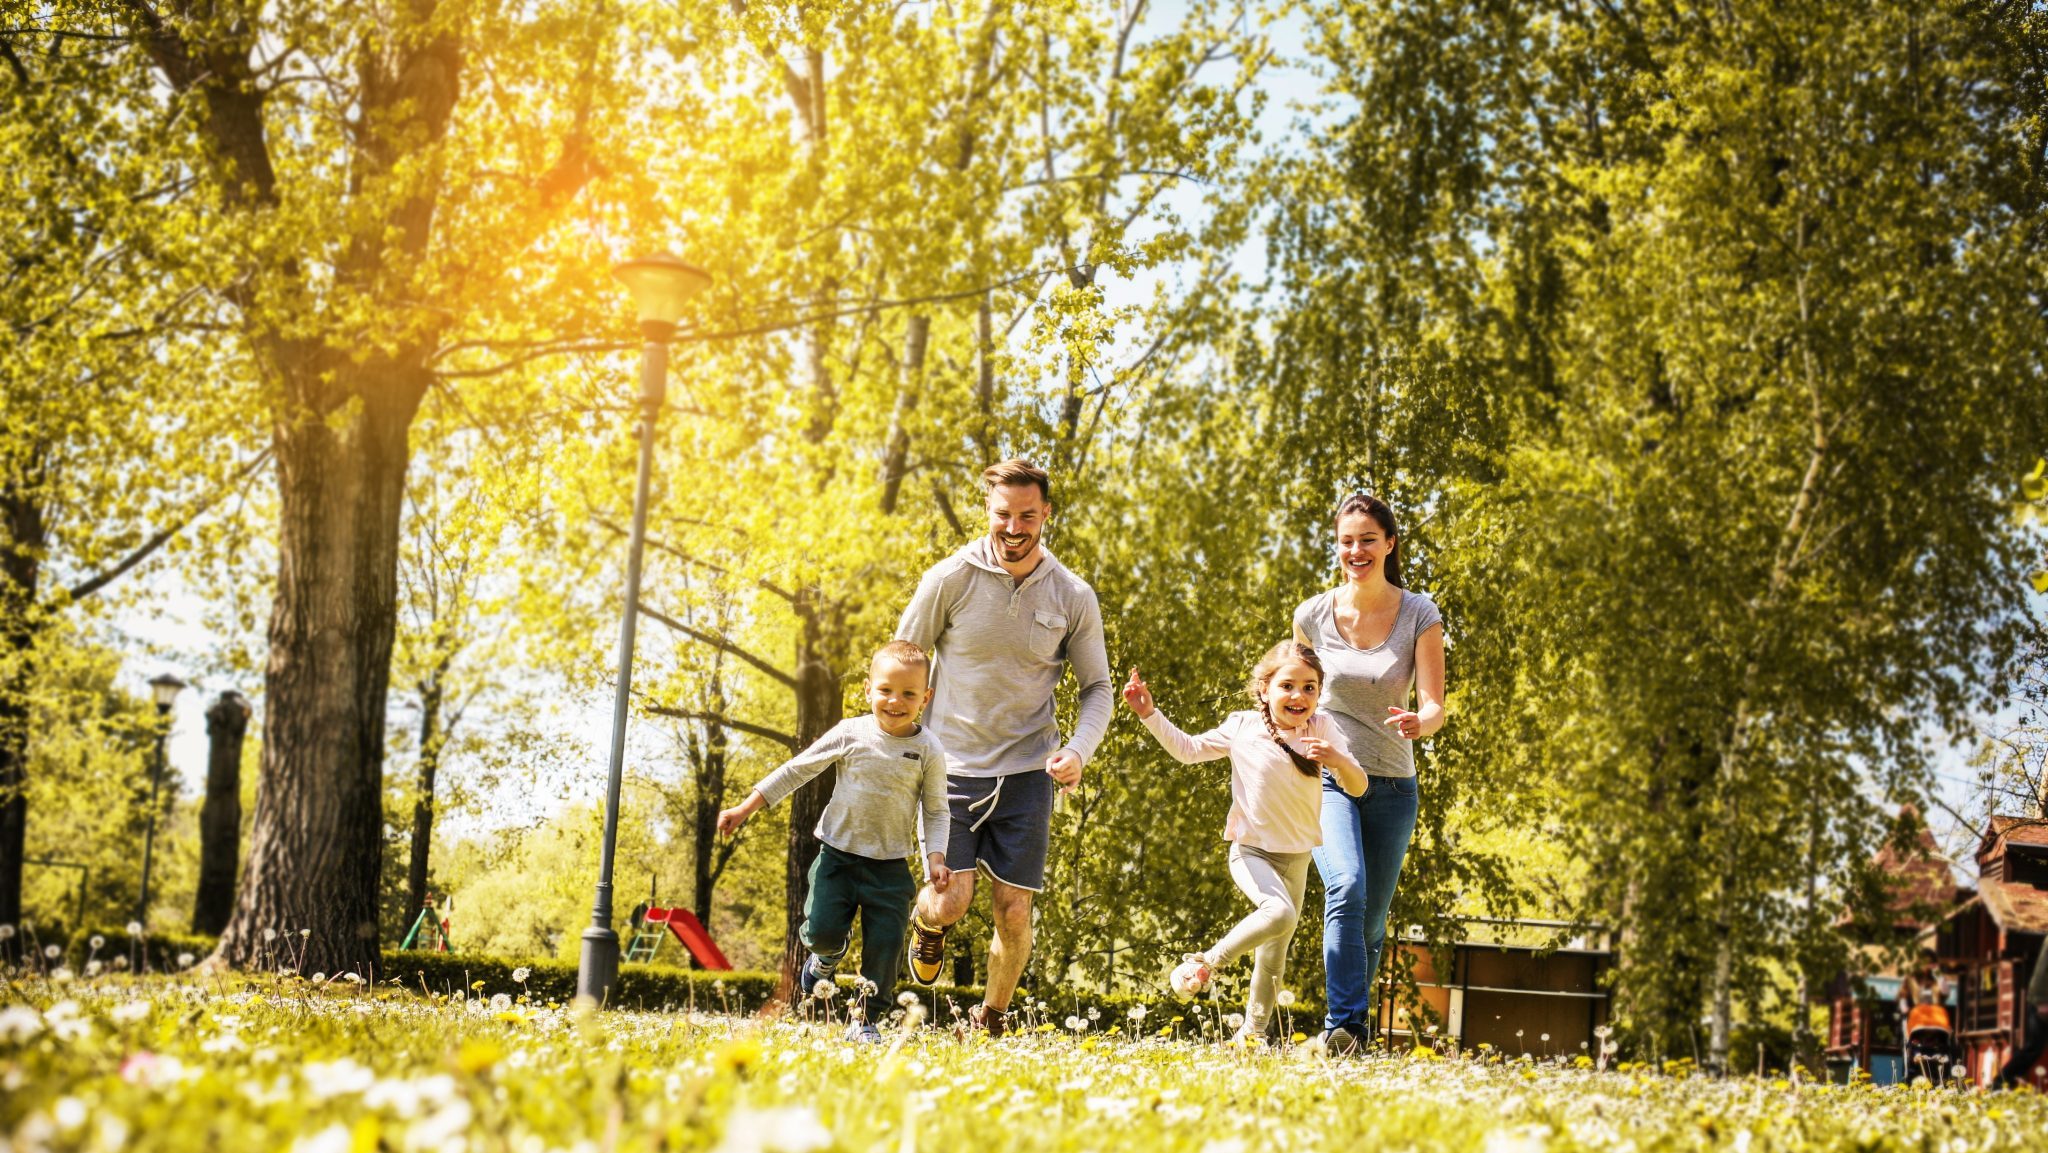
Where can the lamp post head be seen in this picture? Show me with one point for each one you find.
(164, 689)
(661, 285)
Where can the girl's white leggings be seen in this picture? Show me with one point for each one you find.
(1274, 882)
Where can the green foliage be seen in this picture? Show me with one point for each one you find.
(1701, 350)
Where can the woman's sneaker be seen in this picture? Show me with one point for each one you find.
(1191, 977)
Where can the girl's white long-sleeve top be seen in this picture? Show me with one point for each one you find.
(1273, 805)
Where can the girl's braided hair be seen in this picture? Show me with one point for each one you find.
(1262, 676)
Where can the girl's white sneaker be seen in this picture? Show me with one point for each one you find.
(1191, 977)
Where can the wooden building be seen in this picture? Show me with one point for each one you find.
(1990, 941)
(1507, 984)
(1865, 1029)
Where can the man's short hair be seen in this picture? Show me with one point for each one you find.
(903, 653)
(1016, 472)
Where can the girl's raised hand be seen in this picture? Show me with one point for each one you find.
(1138, 695)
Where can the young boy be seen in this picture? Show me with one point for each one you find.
(889, 767)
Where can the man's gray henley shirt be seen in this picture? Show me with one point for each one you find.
(999, 647)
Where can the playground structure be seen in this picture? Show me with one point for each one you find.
(429, 930)
(1506, 983)
(657, 923)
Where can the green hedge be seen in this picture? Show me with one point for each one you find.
(662, 987)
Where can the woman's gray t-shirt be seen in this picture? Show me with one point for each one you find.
(1359, 685)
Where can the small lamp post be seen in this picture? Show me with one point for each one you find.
(661, 286)
(164, 691)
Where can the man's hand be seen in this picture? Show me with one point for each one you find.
(1065, 767)
(1138, 695)
(935, 868)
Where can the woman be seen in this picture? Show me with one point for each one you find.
(1379, 644)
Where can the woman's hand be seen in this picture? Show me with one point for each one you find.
(1138, 695)
(1406, 725)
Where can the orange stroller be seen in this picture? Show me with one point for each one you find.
(1930, 1042)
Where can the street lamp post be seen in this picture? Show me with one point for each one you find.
(164, 691)
(660, 285)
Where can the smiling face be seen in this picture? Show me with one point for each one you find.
(1292, 693)
(897, 692)
(1016, 517)
(1362, 548)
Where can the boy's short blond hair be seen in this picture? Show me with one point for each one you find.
(903, 653)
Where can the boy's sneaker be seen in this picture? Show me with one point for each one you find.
(992, 1020)
(1191, 977)
(816, 971)
(927, 950)
(862, 1033)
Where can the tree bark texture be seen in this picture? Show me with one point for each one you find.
(23, 520)
(317, 847)
(220, 817)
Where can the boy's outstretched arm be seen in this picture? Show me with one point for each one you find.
(730, 820)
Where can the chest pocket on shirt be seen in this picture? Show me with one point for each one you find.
(1048, 633)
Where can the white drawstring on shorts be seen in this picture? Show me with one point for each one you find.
(990, 802)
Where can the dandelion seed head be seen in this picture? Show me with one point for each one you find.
(135, 928)
(97, 941)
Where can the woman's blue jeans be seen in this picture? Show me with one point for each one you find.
(1365, 840)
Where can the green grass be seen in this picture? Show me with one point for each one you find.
(188, 1064)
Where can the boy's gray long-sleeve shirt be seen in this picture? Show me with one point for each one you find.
(883, 783)
(999, 647)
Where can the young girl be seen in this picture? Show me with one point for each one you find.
(1278, 753)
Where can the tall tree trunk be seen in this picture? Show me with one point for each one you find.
(896, 457)
(708, 799)
(21, 552)
(818, 708)
(431, 741)
(317, 848)
(220, 817)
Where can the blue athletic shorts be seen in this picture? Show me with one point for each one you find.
(1003, 825)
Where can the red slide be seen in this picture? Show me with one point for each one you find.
(690, 931)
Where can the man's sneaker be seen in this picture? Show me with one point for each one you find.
(814, 972)
(1191, 977)
(994, 1021)
(862, 1033)
(927, 951)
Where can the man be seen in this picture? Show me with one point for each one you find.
(1003, 619)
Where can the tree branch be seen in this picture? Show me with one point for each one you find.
(91, 585)
(719, 643)
(762, 731)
